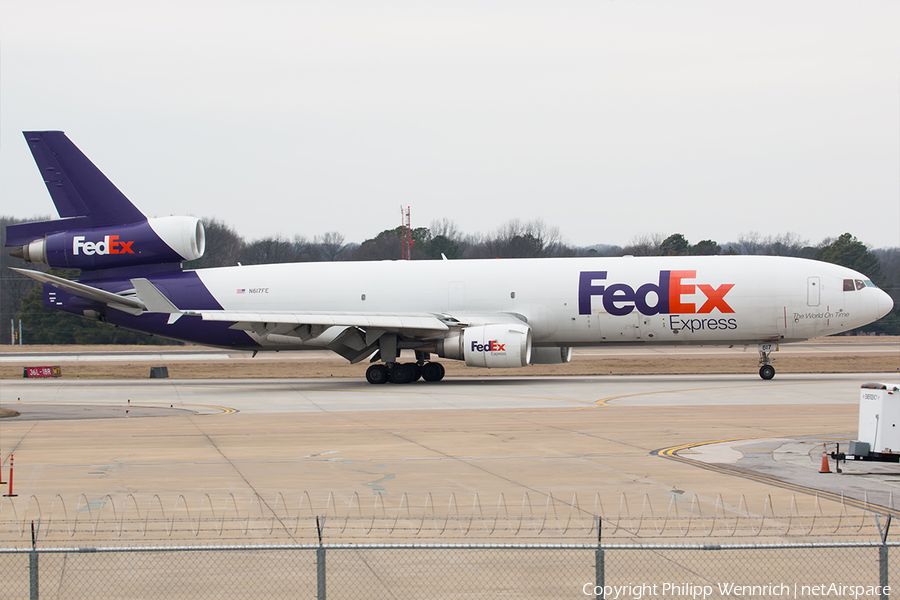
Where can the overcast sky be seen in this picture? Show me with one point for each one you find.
(608, 119)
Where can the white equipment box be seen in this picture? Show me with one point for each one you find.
(879, 416)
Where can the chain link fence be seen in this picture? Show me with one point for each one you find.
(552, 549)
(813, 570)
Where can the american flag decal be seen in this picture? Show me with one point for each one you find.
(241, 290)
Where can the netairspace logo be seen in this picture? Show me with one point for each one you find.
(698, 592)
(108, 245)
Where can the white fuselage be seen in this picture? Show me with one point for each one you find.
(577, 301)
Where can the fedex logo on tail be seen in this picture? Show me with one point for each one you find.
(664, 297)
(110, 244)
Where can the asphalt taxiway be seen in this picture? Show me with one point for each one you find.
(699, 436)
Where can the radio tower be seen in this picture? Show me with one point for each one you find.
(406, 241)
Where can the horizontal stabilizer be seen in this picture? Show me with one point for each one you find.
(129, 305)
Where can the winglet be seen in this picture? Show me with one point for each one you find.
(153, 299)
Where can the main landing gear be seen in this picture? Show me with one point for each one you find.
(404, 372)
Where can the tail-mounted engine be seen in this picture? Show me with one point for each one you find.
(159, 240)
(493, 346)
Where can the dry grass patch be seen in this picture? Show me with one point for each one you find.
(581, 365)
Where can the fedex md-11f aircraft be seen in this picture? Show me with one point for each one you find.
(489, 313)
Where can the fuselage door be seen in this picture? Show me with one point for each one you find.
(813, 286)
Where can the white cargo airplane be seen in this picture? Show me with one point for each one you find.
(488, 313)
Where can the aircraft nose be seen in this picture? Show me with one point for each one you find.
(885, 304)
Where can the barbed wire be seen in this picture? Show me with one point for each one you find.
(350, 517)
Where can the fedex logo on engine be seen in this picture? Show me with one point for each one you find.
(110, 244)
(491, 346)
(666, 296)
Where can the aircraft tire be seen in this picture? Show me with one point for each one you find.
(401, 374)
(377, 374)
(432, 371)
(767, 372)
(415, 371)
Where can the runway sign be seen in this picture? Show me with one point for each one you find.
(42, 372)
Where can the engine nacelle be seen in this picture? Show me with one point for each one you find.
(551, 356)
(500, 346)
(159, 240)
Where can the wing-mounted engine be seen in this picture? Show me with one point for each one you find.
(153, 241)
(497, 346)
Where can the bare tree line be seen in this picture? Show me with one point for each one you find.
(514, 239)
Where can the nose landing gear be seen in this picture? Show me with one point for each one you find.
(766, 370)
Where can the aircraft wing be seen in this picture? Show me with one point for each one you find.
(357, 335)
(392, 322)
(436, 323)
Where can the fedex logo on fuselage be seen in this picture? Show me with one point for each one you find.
(491, 346)
(108, 245)
(666, 296)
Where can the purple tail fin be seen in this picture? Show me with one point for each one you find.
(83, 196)
(100, 230)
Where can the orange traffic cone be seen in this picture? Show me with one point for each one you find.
(825, 468)
(10, 494)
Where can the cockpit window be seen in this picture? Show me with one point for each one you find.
(851, 285)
